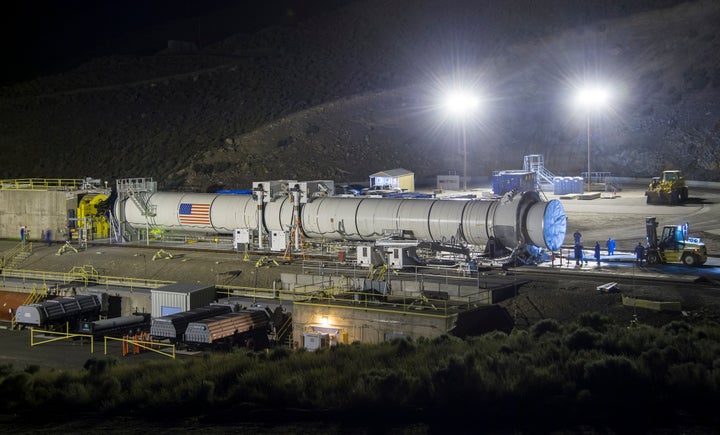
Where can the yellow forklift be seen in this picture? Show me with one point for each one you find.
(673, 245)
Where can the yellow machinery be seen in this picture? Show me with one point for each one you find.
(91, 216)
(673, 245)
(668, 189)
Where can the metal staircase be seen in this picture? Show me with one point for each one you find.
(534, 163)
(14, 257)
(138, 191)
(284, 333)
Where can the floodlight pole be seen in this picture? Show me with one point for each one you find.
(588, 150)
(464, 134)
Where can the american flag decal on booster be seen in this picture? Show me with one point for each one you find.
(194, 214)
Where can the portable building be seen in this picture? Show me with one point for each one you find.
(179, 297)
(397, 178)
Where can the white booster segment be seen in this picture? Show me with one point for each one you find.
(510, 220)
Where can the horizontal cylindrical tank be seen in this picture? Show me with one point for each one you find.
(508, 220)
(202, 212)
(210, 330)
(173, 325)
(513, 219)
(56, 311)
(123, 325)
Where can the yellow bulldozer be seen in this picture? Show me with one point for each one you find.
(668, 189)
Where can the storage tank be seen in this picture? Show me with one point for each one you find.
(198, 212)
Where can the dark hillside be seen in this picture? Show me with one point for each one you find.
(355, 90)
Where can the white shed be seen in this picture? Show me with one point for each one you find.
(397, 178)
(179, 297)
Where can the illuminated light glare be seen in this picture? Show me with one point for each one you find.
(324, 321)
(461, 104)
(591, 98)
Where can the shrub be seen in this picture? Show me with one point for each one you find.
(676, 327)
(595, 321)
(32, 368)
(98, 366)
(616, 384)
(582, 339)
(280, 353)
(544, 326)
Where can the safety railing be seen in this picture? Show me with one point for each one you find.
(33, 297)
(41, 184)
(411, 305)
(58, 336)
(10, 254)
(85, 278)
(252, 292)
(284, 332)
(138, 344)
(166, 349)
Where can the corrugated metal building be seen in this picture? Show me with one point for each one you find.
(505, 181)
(179, 297)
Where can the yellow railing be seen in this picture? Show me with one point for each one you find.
(34, 297)
(253, 292)
(416, 306)
(40, 183)
(152, 346)
(284, 330)
(60, 336)
(315, 294)
(10, 254)
(83, 277)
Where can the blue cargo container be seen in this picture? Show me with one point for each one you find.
(505, 181)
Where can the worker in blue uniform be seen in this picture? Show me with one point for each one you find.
(639, 253)
(578, 255)
(610, 244)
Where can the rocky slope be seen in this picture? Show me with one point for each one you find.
(357, 90)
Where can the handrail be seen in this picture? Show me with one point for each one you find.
(285, 329)
(61, 336)
(315, 294)
(40, 183)
(70, 277)
(14, 251)
(427, 307)
(142, 344)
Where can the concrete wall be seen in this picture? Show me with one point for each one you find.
(366, 326)
(466, 292)
(38, 210)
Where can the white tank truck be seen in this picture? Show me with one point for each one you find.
(513, 219)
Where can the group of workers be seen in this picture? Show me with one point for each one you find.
(46, 235)
(610, 246)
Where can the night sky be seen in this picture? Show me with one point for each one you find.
(46, 37)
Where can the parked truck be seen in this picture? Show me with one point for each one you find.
(668, 189)
(673, 245)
